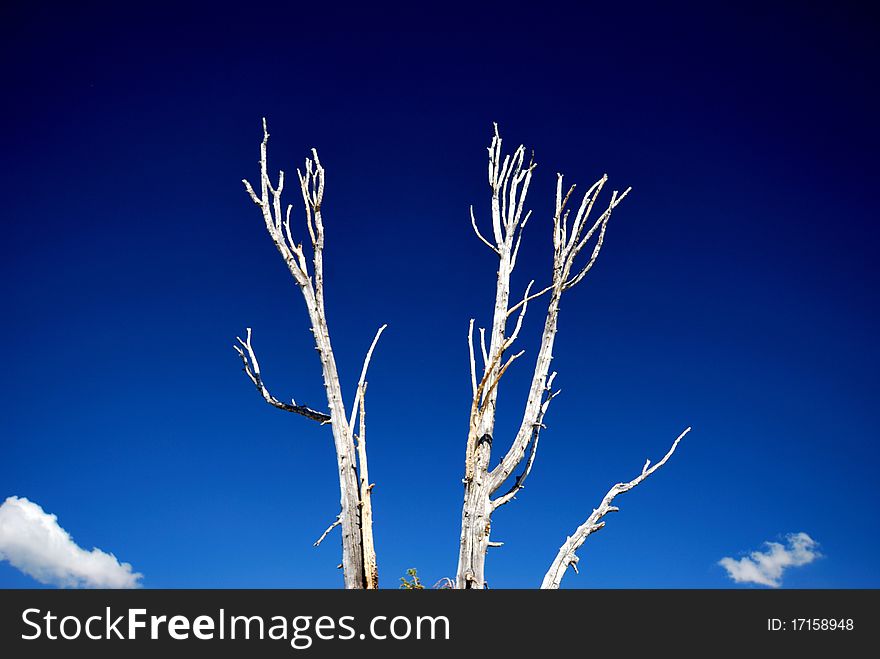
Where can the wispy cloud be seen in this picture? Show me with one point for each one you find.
(766, 567)
(32, 541)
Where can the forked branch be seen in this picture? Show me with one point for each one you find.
(355, 513)
(569, 238)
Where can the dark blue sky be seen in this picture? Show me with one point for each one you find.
(736, 291)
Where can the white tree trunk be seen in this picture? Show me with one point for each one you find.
(569, 238)
(355, 517)
(349, 499)
(507, 223)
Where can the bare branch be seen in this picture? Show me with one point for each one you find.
(277, 225)
(335, 523)
(566, 247)
(312, 289)
(519, 483)
(519, 239)
(601, 222)
(560, 228)
(291, 243)
(583, 273)
(311, 185)
(250, 191)
(360, 387)
(494, 181)
(509, 179)
(487, 375)
(524, 176)
(504, 368)
(264, 172)
(365, 488)
(480, 236)
(566, 555)
(473, 361)
(585, 208)
(508, 200)
(252, 369)
(525, 305)
(528, 299)
(516, 453)
(483, 394)
(371, 570)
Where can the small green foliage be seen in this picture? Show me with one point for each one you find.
(415, 584)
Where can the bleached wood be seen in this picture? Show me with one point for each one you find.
(480, 235)
(527, 299)
(509, 180)
(568, 242)
(311, 285)
(519, 483)
(523, 306)
(483, 348)
(371, 569)
(362, 379)
(336, 522)
(472, 360)
(566, 556)
(572, 231)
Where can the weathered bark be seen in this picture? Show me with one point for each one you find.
(371, 570)
(505, 177)
(349, 499)
(357, 539)
(476, 511)
(507, 203)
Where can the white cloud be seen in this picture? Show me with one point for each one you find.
(766, 567)
(32, 541)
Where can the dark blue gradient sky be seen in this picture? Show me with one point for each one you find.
(737, 290)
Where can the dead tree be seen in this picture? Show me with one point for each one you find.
(355, 517)
(509, 178)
